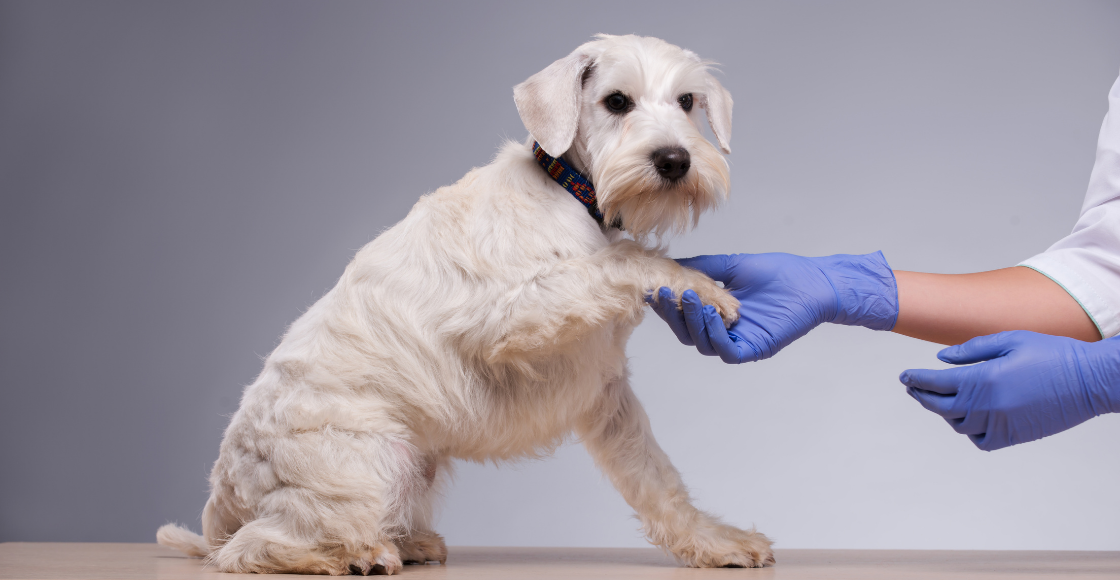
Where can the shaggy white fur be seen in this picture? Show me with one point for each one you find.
(488, 325)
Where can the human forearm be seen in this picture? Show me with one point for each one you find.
(953, 308)
(783, 296)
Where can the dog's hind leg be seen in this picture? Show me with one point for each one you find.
(618, 436)
(221, 518)
(270, 545)
(336, 507)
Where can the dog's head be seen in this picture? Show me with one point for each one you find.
(623, 110)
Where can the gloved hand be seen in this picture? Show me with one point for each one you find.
(1032, 385)
(782, 297)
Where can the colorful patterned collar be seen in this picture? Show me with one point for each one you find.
(571, 180)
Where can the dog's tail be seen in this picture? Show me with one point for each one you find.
(184, 540)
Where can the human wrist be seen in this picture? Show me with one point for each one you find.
(866, 290)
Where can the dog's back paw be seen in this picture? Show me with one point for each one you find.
(263, 547)
(421, 547)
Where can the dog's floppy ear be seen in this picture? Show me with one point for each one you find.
(549, 102)
(717, 102)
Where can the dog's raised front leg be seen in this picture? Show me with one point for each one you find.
(575, 297)
(618, 436)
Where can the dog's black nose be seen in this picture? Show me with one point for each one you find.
(671, 162)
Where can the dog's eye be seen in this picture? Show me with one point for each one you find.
(618, 103)
(686, 101)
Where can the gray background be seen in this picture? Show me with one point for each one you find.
(180, 180)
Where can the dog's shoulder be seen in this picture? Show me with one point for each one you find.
(506, 220)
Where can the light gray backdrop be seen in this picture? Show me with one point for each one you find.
(180, 180)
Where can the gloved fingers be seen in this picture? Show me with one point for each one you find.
(943, 382)
(981, 348)
(656, 303)
(666, 308)
(987, 442)
(718, 267)
(693, 311)
(962, 420)
(657, 299)
(653, 300)
(973, 422)
(730, 350)
(936, 403)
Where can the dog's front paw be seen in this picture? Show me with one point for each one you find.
(725, 304)
(723, 546)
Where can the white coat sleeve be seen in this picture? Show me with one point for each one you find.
(1087, 262)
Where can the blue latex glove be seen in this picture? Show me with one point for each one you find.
(1031, 386)
(782, 297)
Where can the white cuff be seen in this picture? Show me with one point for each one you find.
(1057, 267)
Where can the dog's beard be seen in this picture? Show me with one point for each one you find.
(630, 189)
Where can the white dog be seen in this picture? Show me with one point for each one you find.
(488, 325)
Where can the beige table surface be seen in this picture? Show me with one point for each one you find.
(128, 561)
